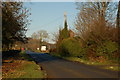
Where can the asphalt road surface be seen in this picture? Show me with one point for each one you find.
(60, 68)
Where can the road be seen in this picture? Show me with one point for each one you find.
(60, 68)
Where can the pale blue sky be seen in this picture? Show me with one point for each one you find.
(49, 16)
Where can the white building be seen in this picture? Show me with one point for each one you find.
(43, 48)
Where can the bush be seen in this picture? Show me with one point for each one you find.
(107, 49)
(71, 47)
(102, 51)
(10, 53)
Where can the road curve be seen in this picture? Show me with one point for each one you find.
(60, 68)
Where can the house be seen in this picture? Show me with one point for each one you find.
(71, 33)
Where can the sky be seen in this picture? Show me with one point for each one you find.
(49, 16)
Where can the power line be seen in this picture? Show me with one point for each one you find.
(52, 21)
(55, 20)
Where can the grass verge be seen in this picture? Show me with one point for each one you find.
(22, 67)
(103, 65)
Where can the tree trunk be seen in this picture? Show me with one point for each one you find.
(118, 22)
(118, 16)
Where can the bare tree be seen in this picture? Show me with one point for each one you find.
(55, 37)
(34, 36)
(43, 35)
(37, 39)
(93, 20)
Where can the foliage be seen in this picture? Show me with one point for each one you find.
(71, 47)
(14, 23)
(108, 49)
(110, 46)
(10, 53)
(64, 33)
(97, 29)
(97, 34)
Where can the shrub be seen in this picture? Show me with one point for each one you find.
(71, 47)
(107, 49)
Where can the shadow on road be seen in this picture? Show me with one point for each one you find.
(42, 57)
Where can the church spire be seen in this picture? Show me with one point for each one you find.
(65, 16)
(65, 20)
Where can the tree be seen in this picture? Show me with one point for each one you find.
(55, 36)
(96, 28)
(94, 21)
(42, 34)
(118, 21)
(35, 36)
(14, 23)
(118, 15)
(64, 33)
(39, 37)
(33, 44)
